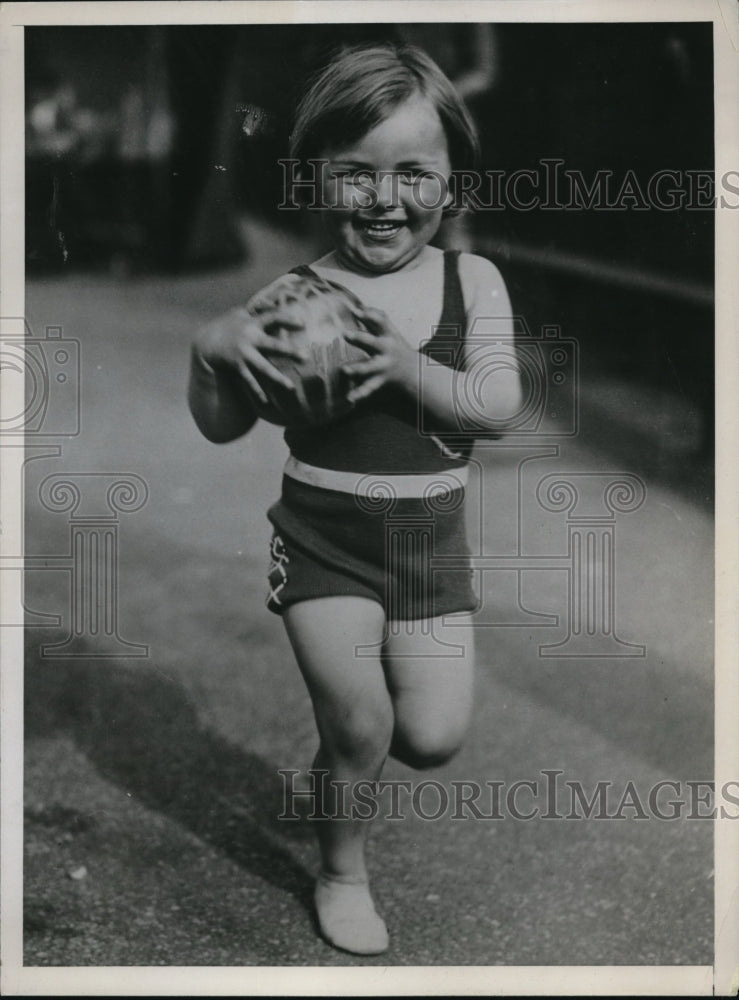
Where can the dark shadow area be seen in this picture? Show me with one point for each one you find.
(644, 387)
(142, 733)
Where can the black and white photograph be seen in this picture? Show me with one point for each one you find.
(368, 550)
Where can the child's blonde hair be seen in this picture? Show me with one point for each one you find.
(362, 86)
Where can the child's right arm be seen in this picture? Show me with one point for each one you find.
(227, 355)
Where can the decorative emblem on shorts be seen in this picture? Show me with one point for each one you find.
(276, 574)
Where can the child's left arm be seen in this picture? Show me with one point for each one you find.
(393, 361)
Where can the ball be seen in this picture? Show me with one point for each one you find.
(307, 312)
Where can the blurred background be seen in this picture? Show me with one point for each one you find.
(154, 149)
(151, 783)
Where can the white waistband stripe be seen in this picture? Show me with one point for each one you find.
(377, 484)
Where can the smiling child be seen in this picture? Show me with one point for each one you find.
(367, 622)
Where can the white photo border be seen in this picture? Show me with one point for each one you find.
(722, 978)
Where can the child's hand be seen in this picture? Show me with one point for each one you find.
(392, 360)
(236, 342)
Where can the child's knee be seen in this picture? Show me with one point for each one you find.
(362, 733)
(422, 749)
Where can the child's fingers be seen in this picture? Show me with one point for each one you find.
(271, 346)
(252, 383)
(361, 369)
(367, 341)
(366, 388)
(258, 362)
(256, 337)
(374, 319)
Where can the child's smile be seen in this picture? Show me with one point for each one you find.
(387, 190)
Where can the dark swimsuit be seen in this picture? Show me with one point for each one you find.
(329, 542)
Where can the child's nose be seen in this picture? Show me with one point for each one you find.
(386, 189)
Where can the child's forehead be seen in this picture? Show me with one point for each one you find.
(413, 125)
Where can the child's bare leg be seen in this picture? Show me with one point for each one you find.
(354, 715)
(432, 693)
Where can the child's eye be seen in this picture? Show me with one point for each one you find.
(417, 176)
(355, 176)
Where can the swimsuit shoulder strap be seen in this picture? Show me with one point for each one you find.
(453, 314)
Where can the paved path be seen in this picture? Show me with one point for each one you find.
(155, 780)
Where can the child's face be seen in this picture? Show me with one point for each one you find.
(383, 209)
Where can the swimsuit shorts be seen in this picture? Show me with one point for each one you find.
(329, 543)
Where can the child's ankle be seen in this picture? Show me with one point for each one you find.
(344, 878)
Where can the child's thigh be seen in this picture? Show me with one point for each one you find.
(430, 667)
(325, 634)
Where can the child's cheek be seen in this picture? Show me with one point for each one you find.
(430, 192)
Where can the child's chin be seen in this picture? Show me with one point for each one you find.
(386, 258)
